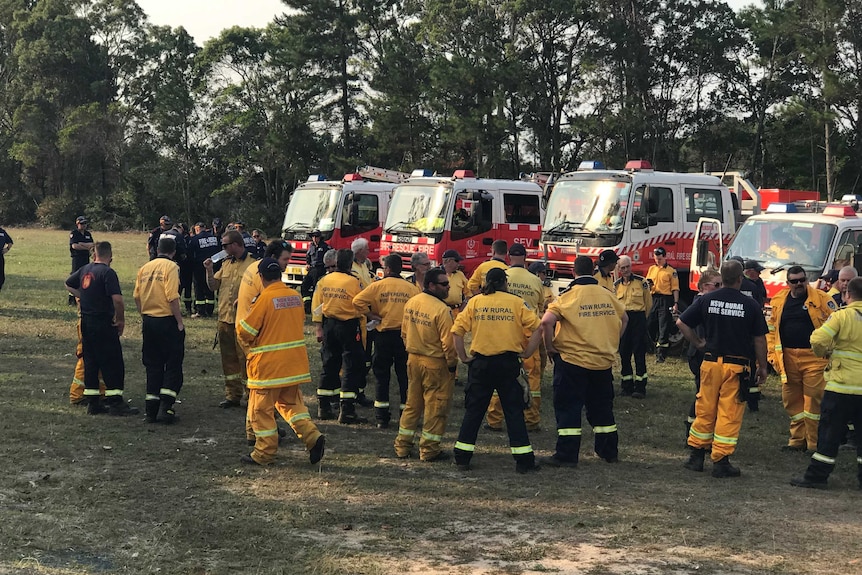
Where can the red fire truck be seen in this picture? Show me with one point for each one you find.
(633, 211)
(342, 210)
(433, 214)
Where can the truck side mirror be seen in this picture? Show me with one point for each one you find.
(702, 253)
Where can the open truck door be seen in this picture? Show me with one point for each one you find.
(707, 249)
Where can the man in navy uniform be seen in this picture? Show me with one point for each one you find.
(80, 244)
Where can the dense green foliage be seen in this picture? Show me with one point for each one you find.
(103, 113)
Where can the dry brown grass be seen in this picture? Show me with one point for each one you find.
(100, 495)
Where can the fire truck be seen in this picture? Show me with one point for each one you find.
(814, 235)
(342, 210)
(633, 211)
(433, 214)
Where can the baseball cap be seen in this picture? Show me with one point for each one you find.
(315, 233)
(452, 254)
(166, 219)
(831, 276)
(268, 264)
(755, 265)
(517, 249)
(82, 220)
(537, 267)
(200, 225)
(495, 275)
(660, 251)
(737, 259)
(608, 257)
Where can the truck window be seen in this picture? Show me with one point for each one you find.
(471, 215)
(521, 209)
(702, 203)
(848, 246)
(360, 215)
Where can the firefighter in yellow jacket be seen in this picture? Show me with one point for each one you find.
(384, 301)
(528, 287)
(497, 320)
(338, 330)
(664, 284)
(605, 266)
(498, 260)
(226, 282)
(427, 333)
(634, 293)
(840, 340)
(272, 337)
(797, 311)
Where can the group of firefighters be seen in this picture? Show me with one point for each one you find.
(419, 325)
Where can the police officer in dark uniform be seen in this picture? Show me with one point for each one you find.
(186, 266)
(250, 242)
(314, 266)
(80, 244)
(202, 246)
(102, 323)
(735, 331)
(155, 234)
(751, 269)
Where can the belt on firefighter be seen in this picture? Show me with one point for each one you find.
(735, 359)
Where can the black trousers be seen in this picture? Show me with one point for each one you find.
(342, 345)
(836, 411)
(694, 362)
(204, 296)
(309, 282)
(388, 351)
(633, 342)
(102, 352)
(186, 277)
(661, 320)
(484, 375)
(162, 355)
(2, 269)
(77, 263)
(576, 388)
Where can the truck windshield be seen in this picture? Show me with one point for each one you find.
(587, 205)
(417, 208)
(777, 244)
(312, 208)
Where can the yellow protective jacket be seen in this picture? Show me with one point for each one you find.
(335, 292)
(427, 328)
(272, 336)
(387, 299)
(477, 280)
(634, 294)
(820, 307)
(842, 335)
(227, 281)
(249, 288)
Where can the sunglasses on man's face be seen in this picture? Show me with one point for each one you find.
(442, 284)
(795, 281)
(226, 245)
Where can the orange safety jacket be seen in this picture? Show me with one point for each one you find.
(273, 339)
(820, 307)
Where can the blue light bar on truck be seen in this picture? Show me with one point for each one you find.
(781, 208)
(422, 173)
(591, 165)
(316, 178)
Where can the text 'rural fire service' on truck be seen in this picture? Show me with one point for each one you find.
(631, 211)
(342, 210)
(816, 236)
(433, 214)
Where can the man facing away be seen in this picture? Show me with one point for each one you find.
(734, 330)
(157, 299)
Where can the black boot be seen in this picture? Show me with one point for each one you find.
(121, 408)
(639, 390)
(722, 468)
(695, 460)
(324, 409)
(626, 388)
(95, 405)
(347, 415)
(805, 481)
(166, 412)
(151, 410)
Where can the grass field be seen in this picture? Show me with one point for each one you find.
(82, 494)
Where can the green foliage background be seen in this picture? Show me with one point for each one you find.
(104, 113)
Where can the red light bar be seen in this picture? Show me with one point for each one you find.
(839, 211)
(463, 174)
(637, 165)
(352, 178)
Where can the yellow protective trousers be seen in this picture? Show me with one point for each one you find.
(801, 395)
(76, 390)
(261, 415)
(232, 362)
(718, 411)
(429, 397)
(533, 414)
